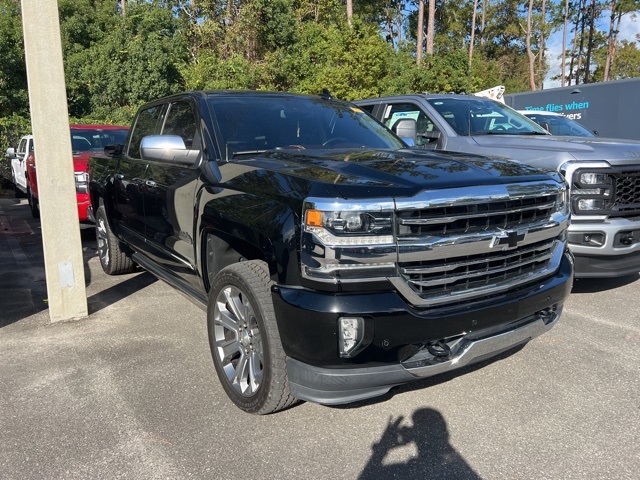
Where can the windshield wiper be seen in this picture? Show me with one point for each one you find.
(507, 132)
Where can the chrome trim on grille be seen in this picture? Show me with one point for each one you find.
(495, 286)
(453, 218)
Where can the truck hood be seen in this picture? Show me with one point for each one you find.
(379, 170)
(613, 150)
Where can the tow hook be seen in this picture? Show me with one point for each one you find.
(439, 348)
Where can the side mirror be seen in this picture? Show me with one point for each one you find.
(168, 148)
(406, 128)
(11, 153)
(596, 133)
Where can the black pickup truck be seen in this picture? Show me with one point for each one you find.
(333, 261)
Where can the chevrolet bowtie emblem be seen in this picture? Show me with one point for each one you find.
(508, 239)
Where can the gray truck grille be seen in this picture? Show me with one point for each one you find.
(628, 191)
(449, 252)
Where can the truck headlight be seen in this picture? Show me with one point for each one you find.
(592, 192)
(82, 182)
(347, 244)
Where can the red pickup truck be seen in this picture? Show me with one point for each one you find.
(86, 140)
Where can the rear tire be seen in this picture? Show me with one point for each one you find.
(113, 259)
(244, 339)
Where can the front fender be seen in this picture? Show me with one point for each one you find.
(236, 226)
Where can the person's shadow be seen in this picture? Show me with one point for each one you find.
(436, 457)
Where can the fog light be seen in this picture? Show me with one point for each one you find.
(351, 332)
(594, 239)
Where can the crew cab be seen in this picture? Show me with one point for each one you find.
(85, 141)
(18, 159)
(333, 261)
(603, 173)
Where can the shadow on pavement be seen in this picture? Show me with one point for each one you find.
(429, 436)
(593, 285)
(119, 291)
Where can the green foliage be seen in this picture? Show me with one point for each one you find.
(13, 76)
(349, 62)
(626, 64)
(138, 60)
(113, 63)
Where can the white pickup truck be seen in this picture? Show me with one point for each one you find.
(18, 159)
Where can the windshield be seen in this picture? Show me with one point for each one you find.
(255, 123)
(95, 139)
(481, 116)
(560, 125)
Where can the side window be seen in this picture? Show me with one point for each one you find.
(181, 121)
(22, 148)
(424, 125)
(148, 122)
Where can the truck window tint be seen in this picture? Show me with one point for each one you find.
(149, 122)
(263, 122)
(181, 121)
(95, 139)
(481, 116)
(399, 111)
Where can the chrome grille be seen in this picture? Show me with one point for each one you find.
(466, 244)
(476, 271)
(457, 219)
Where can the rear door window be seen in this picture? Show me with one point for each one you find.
(399, 111)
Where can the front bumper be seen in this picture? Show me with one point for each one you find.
(84, 203)
(611, 259)
(331, 386)
(396, 352)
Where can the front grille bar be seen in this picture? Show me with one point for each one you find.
(425, 270)
(454, 218)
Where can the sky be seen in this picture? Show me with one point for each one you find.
(629, 28)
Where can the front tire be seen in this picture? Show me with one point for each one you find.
(113, 259)
(244, 339)
(33, 204)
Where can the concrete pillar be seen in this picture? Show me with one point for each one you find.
(56, 182)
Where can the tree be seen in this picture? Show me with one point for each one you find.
(564, 42)
(420, 33)
(473, 30)
(530, 55)
(13, 76)
(430, 26)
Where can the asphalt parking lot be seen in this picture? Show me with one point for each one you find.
(131, 392)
